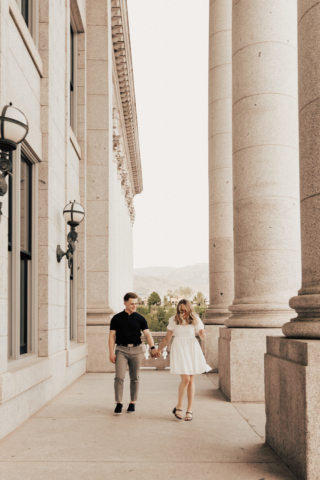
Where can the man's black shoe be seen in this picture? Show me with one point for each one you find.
(118, 409)
(131, 408)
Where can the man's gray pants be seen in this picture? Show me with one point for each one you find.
(130, 356)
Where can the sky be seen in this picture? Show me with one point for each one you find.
(169, 44)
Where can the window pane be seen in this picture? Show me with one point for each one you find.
(23, 304)
(25, 206)
(25, 11)
(73, 54)
(71, 57)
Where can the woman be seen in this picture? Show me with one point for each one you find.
(186, 357)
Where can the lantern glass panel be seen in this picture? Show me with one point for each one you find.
(13, 131)
(73, 212)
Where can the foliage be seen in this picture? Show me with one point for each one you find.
(185, 292)
(143, 310)
(200, 299)
(157, 318)
(200, 311)
(170, 313)
(154, 299)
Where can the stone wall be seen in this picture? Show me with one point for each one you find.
(70, 165)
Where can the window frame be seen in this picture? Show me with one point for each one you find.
(33, 18)
(73, 81)
(14, 264)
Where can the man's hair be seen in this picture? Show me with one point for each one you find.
(129, 295)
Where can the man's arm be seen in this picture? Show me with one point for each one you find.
(149, 339)
(112, 342)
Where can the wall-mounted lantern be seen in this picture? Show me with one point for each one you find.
(14, 128)
(73, 214)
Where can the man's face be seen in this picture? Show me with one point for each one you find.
(131, 305)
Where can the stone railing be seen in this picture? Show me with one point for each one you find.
(159, 363)
(162, 362)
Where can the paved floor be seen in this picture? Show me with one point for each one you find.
(76, 436)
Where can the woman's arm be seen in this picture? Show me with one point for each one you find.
(202, 334)
(165, 341)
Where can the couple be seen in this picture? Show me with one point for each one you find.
(186, 356)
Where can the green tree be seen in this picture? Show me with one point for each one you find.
(161, 314)
(143, 310)
(153, 322)
(170, 313)
(166, 302)
(200, 311)
(200, 299)
(185, 292)
(154, 299)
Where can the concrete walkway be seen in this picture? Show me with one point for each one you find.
(76, 436)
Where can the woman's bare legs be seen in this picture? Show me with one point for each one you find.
(185, 379)
(190, 394)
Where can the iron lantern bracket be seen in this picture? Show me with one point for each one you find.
(71, 238)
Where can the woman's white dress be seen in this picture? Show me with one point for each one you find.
(186, 357)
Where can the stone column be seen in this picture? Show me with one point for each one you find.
(220, 175)
(265, 189)
(292, 365)
(99, 157)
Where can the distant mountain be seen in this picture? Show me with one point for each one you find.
(154, 271)
(162, 279)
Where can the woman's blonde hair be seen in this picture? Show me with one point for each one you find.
(192, 318)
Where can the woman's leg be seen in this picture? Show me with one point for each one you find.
(190, 394)
(185, 379)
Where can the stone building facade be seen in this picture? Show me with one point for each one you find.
(67, 66)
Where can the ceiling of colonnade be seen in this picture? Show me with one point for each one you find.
(169, 43)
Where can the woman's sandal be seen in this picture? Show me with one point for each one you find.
(176, 410)
(188, 419)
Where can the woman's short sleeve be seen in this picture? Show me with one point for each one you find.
(199, 326)
(171, 324)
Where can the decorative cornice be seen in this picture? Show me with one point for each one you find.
(123, 61)
(119, 157)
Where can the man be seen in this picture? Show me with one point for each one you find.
(125, 331)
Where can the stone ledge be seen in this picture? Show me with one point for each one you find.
(23, 376)
(76, 352)
(26, 36)
(304, 352)
(99, 316)
(249, 334)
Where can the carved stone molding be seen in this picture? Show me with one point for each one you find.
(122, 55)
(120, 159)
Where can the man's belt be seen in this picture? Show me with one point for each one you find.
(128, 344)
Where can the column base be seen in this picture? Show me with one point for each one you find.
(214, 319)
(292, 379)
(98, 328)
(241, 362)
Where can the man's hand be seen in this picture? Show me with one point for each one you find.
(153, 352)
(113, 357)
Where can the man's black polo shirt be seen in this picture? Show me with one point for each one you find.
(128, 327)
